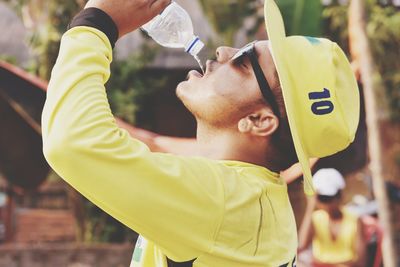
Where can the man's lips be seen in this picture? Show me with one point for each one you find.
(194, 73)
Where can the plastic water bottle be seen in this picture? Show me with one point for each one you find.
(174, 28)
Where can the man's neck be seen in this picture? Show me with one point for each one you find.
(230, 145)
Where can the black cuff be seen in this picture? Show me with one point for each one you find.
(96, 18)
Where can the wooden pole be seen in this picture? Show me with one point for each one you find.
(361, 53)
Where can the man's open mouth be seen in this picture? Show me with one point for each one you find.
(197, 74)
(194, 73)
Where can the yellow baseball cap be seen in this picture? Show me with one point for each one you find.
(319, 89)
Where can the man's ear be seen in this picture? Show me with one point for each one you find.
(260, 123)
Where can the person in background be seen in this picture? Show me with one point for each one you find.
(335, 233)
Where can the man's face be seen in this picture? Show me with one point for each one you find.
(229, 90)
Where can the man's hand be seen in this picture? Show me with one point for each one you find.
(129, 15)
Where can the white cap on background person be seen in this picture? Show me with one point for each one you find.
(328, 182)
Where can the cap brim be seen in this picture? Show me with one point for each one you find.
(276, 35)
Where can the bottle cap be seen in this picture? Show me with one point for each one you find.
(194, 46)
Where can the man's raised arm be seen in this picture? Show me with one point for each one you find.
(149, 192)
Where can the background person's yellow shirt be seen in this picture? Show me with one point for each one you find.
(220, 213)
(343, 248)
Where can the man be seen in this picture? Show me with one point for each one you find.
(336, 234)
(231, 207)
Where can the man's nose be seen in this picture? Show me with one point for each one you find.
(225, 53)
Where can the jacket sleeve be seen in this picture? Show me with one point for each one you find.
(176, 202)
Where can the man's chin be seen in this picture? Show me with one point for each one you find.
(184, 88)
(180, 88)
(182, 92)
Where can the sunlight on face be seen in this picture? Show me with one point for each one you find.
(229, 88)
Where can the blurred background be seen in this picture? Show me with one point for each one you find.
(44, 222)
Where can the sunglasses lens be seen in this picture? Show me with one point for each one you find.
(244, 50)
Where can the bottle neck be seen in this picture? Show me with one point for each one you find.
(194, 46)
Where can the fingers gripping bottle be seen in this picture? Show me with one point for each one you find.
(173, 28)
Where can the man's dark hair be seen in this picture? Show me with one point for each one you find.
(284, 154)
(329, 199)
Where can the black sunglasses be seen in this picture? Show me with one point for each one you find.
(250, 52)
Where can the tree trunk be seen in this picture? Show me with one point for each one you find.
(9, 216)
(361, 53)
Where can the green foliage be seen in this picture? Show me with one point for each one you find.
(129, 85)
(46, 41)
(384, 32)
(227, 16)
(49, 20)
(302, 17)
(383, 29)
(9, 59)
(335, 22)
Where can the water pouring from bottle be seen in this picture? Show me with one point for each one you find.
(196, 57)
